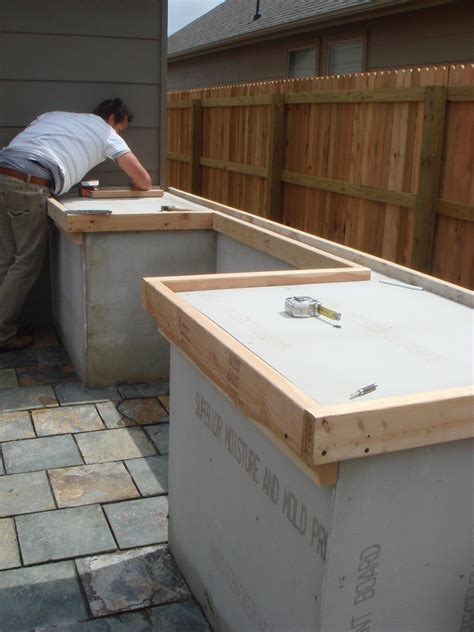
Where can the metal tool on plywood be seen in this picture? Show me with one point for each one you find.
(307, 307)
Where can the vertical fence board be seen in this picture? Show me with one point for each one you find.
(380, 145)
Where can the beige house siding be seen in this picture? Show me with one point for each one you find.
(70, 55)
(437, 35)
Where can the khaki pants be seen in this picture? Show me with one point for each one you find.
(23, 242)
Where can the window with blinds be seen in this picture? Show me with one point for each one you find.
(302, 62)
(345, 56)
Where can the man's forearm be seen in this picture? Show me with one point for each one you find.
(130, 164)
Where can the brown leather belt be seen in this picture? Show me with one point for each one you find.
(26, 177)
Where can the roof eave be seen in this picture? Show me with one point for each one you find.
(381, 8)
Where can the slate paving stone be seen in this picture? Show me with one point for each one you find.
(88, 484)
(139, 522)
(27, 398)
(114, 445)
(134, 391)
(43, 595)
(65, 533)
(36, 375)
(54, 355)
(77, 393)
(111, 416)
(142, 411)
(150, 474)
(8, 378)
(160, 437)
(9, 553)
(15, 426)
(165, 402)
(129, 581)
(185, 616)
(15, 359)
(2, 469)
(67, 419)
(25, 493)
(30, 455)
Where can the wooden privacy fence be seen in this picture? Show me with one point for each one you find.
(381, 162)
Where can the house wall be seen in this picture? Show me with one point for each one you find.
(69, 55)
(438, 35)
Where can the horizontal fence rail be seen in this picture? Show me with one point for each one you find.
(384, 168)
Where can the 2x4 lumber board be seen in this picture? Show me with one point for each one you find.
(118, 192)
(461, 93)
(430, 169)
(57, 212)
(351, 256)
(196, 146)
(283, 248)
(382, 95)
(276, 142)
(352, 431)
(172, 105)
(202, 282)
(221, 102)
(236, 167)
(171, 155)
(259, 391)
(395, 198)
(456, 210)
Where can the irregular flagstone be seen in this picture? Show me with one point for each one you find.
(15, 426)
(15, 359)
(132, 580)
(77, 393)
(8, 378)
(56, 535)
(150, 474)
(25, 493)
(46, 374)
(165, 402)
(9, 553)
(43, 595)
(160, 437)
(27, 398)
(114, 445)
(52, 355)
(67, 419)
(142, 411)
(133, 391)
(139, 522)
(111, 416)
(184, 615)
(74, 486)
(30, 455)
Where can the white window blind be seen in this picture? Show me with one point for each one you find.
(302, 62)
(345, 56)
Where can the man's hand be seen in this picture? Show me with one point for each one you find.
(130, 164)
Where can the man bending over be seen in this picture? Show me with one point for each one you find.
(50, 156)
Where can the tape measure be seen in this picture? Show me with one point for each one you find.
(306, 307)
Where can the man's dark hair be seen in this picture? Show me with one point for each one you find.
(113, 106)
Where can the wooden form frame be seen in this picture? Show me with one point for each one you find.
(278, 246)
(316, 436)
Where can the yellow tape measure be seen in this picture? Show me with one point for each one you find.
(307, 306)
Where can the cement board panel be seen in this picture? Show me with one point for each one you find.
(234, 256)
(405, 341)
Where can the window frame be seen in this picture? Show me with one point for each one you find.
(316, 45)
(346, 37)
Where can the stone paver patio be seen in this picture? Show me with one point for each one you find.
(83, 502)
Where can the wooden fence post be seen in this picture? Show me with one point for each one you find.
(276, 140)
(430, 170)
(196, 146)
